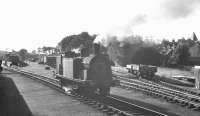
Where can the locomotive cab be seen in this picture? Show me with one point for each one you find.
(99, 72)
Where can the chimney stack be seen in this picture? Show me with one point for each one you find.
(96, 49)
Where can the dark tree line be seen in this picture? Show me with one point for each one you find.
(82, 40)
(133, 50)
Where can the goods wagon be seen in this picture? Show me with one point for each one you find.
(144, 71)
(48, 60)
(51, 61)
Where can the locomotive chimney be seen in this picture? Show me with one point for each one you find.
(96, 49)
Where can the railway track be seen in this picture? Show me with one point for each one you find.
(168, 85)
(172, 95)
(109, 105)
(120, 73)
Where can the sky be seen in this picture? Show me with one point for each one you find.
(31, 24)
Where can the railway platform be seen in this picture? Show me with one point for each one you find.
(32, 98)
(12, 102)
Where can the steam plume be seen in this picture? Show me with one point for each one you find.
(180, 8)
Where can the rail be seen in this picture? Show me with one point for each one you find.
(186, 99)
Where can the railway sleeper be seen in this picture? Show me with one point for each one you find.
(106, 110)
(149, 93)
(165, 97)
(154, 94)
(196, 109)
(97, 105)
(92, 103)
(121, 114)
(113, 112)
(177, 101)
(194, 99)
(191, 106)
(183, 103)
(192, 92)
(170, 99)
(102, 107)
(79, 98)
(86, 101)
(197, 105)
(158, 95)
(176, 93)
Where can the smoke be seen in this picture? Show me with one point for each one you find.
(180, 8)
(121, 51)
(122, 32)
(101, 39)
(139, 19)
(136, 21)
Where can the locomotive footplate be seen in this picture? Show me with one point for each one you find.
(73, 81)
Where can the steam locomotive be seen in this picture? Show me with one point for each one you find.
(143, 71)
(88, 74)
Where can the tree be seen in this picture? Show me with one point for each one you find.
(75, 41)
(33, 52)
(49, 50)
(23, 54)
(194, 37)
(165, 43)
(39, 50)
(182, 54)
(147, 56)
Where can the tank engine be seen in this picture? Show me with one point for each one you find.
(91, 74)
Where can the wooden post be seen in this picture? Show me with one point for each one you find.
(197, 76)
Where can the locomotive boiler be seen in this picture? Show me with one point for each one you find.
(91, 74)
